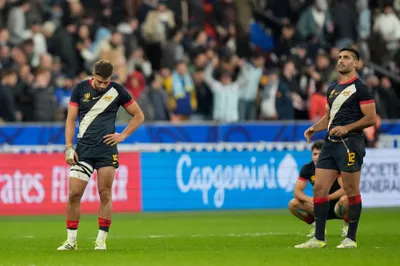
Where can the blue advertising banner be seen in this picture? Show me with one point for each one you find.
(37, 134)
(220, 180)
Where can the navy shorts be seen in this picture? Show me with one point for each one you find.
(90, 158)
(335, 156)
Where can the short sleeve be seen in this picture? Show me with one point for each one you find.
(125, 99)
(74, 97)
(365, 96)
(304, 174)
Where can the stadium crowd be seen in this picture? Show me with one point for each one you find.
(221, 60)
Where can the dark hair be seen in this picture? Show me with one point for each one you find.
(352, 50)
(103, 68)
(6, 72)
(318, 145)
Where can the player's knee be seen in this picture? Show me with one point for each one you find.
(293, 205)
(74, 196)
(105, 196)
(319, 191)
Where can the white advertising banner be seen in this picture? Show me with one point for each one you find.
(380, 178)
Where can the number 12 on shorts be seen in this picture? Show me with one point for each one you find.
(351, 158)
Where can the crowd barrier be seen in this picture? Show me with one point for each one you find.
(33, 184)
(53, 134)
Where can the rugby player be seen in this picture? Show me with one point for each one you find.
(302, 206)
(350, 109)
(95, 102)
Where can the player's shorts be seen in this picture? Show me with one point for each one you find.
(334, 154)
(331, 214)
(90, 158)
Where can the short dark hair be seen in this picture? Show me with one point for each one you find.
(317, 145)
(352, 50)
(6, 72)
(103, 68)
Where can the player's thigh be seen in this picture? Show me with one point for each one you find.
(351, 183)
(105, 178)
(324, 179)
(296, 205)
(350, 154)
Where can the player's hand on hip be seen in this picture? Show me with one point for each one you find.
(339, 131)
(309, 133)
(113, 139)
(71, 156)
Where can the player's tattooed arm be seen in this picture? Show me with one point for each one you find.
(369, 118)
(321, 125)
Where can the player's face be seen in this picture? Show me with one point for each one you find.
(315, 155)
(100, 83)
(346, 62)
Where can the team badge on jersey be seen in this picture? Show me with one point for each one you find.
(108, 97)
(346, 93)
(86, 97)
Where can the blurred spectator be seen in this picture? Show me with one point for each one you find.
(154, 101)
(345, 24)
(318, 102)
(248, 94)
(138, 62)
(8, 108)
(113, 51)
(135, 84)
(316, 22)
(387, 24)
(172, 51)
(43, 99)
(286, 92)
(182, 93)
(225, 92)
(268, 96)
(387, 99)
(156, 30)
(16, 22)
(204, 96)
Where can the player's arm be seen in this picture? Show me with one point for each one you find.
(70, 156)
(322, 124)
(368, 109)
(299, 188)
(137, 119)
(338, 193)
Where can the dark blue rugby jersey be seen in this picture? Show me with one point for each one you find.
(307, 174)
(97, 110)
(344, 101)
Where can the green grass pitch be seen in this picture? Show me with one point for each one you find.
(199, 238)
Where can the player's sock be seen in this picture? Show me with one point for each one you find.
(345, 219)
(355, 207)
(72, 231)
(321, 209)
(309, 219)
(104, 226)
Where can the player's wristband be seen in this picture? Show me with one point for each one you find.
(68, 147)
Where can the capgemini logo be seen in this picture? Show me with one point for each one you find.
(244, 177)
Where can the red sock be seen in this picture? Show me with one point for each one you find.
(345, 219)
(72, 225)
(309, 219)
(104, 224)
